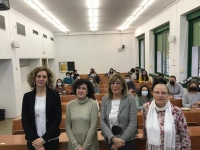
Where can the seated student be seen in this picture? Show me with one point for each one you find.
(74, 74)
(95, 85)
(110, 72)
(94, 75)
(144, 78)
(59, 86)
(192, 96)
(136, 74)
(68, 79)
(143, 95)
(159, 80)
(175, 89)
(131, 72)
(130, 84)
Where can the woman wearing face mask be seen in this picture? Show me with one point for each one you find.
(192, 96)
(143, 96)
(95, 85)
(59, 86)
(144, 78)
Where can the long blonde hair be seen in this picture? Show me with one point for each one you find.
(113, 78)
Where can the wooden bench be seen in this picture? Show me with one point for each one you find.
(103, 85)
(103, 90)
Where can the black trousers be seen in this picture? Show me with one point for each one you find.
(52, 145)
(130, 145)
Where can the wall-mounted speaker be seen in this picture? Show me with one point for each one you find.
(171, 38)
(15, 44)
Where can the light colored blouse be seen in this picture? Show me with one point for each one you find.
(114, 112)
(40, 115)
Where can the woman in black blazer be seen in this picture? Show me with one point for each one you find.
(41, 111)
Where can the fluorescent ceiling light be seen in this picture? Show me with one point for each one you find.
(35, 4)
(93, 13)
(138, 11)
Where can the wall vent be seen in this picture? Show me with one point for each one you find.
(45, 36)
(35, 32)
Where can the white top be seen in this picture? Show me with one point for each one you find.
(114, 112)
(40, 115)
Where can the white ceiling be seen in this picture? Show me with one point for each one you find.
(73, 14)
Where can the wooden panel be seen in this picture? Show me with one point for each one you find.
(103, 90)
(103, 86)
(63, 106)
(67, 98)
(99, 96)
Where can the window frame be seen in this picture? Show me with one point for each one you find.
(157, 31)
(191, 18)
(141, 38)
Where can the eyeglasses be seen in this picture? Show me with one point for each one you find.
(117, 83)
(160, 93)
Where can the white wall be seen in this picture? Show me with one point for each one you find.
(31, 46)
(95, 51)
(176, 16)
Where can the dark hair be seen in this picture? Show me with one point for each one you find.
(193, 82)
(149, 95)
(110, 71)
(68, 73)
(172, 77)
(114, 71)
(160, 75)
(137, 67)
(90, 87)
(74, 70)
(146, 76)
(57, 82)
(132, 70)
(128, 75)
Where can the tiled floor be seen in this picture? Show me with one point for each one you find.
(6, 127)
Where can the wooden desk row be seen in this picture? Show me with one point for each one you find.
(18, 142)
(192, 117)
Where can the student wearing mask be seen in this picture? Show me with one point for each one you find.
(136, 74)
(95, 85)
(144, 78)
(94, 75)
(175, 89)
(68, 79)
(59, 86)
(159, 80)
(143, 96)
(192, 96)
(110, 72)
(130, 84)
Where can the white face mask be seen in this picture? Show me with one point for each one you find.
(68, 76)
(144, 93)
(78, 77)
(127, 80)
(92, 75)
(91, 81)
(59, 84)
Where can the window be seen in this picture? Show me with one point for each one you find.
(193, 40)
(2, 23)
(162, 49)
(21, 29)
(141, 45)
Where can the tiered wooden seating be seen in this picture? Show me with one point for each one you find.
(176, 102)
(67, 98)
(99, 96)
(18, 142)
(138, 85)
(103, 86)
(68, 89)
(103, 90)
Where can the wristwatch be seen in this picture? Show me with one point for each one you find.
(43, 141)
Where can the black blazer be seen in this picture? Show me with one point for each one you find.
(53, 115)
